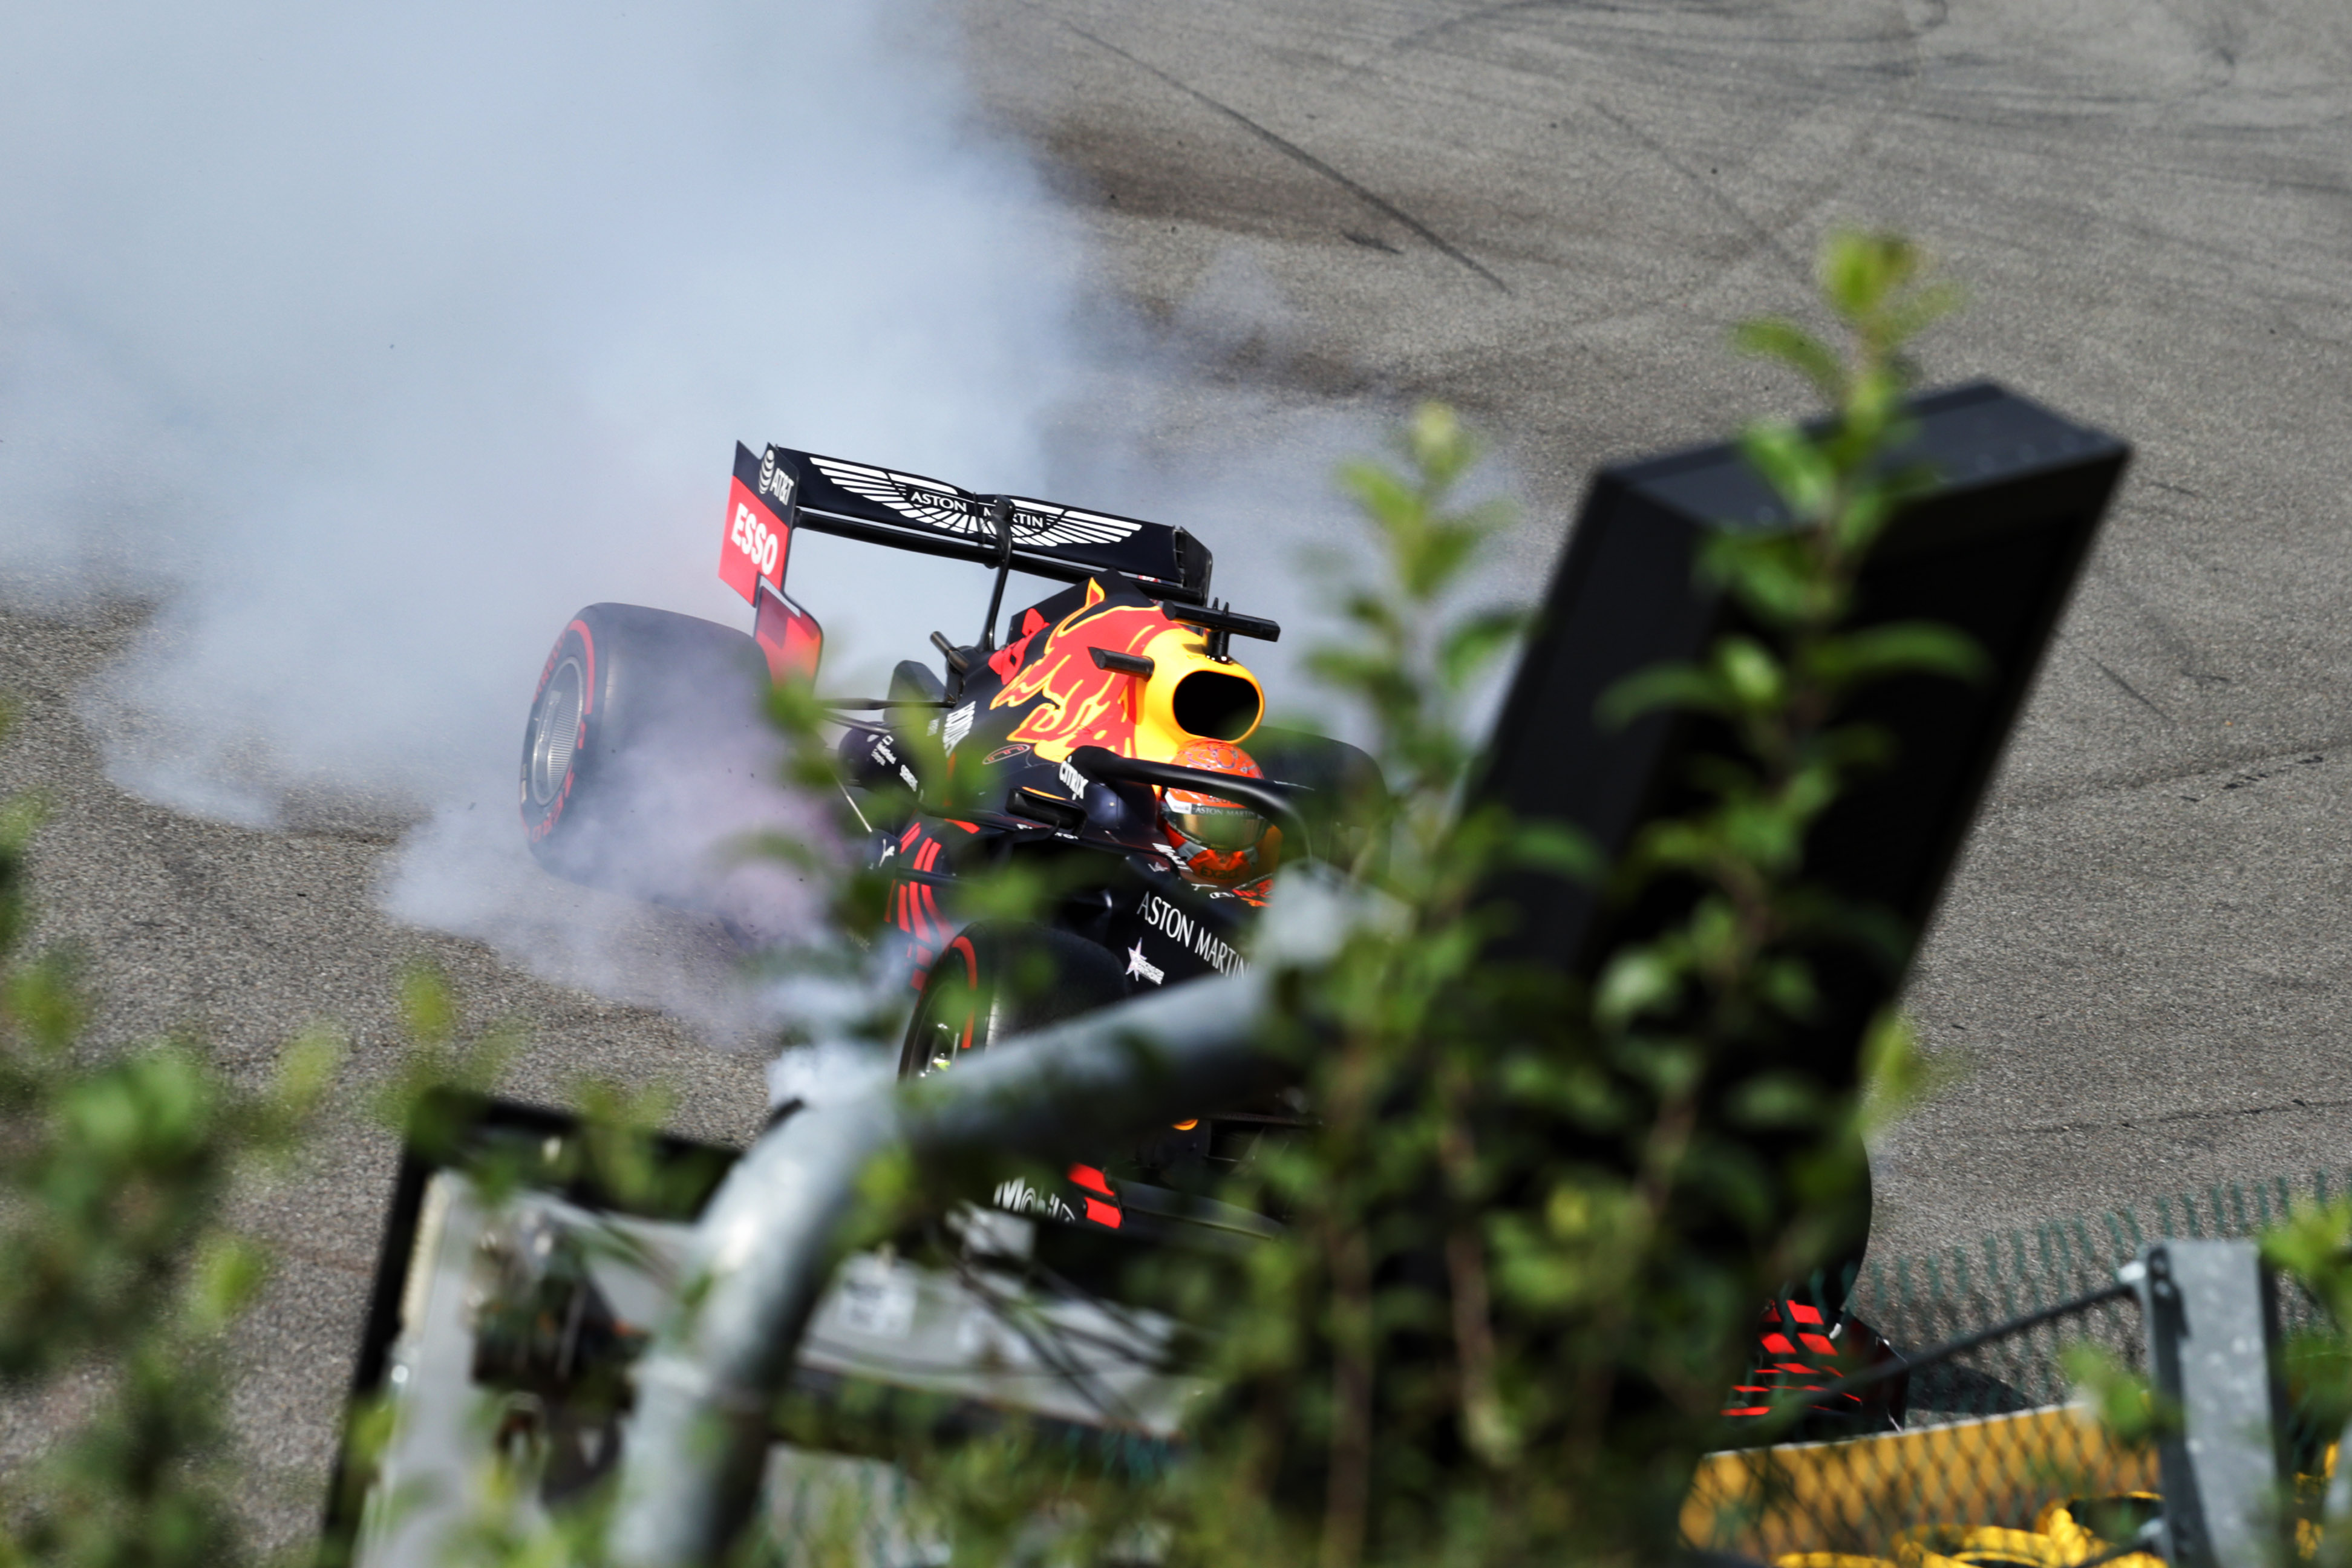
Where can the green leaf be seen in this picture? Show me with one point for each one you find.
(1926, 307)
(1898, 647)
(1864, 516)
(1671, 686)
(1434, 558)
(1440, 447)
(1859, 271)
(1788, 985)
(1897, 1076)
(1474, 642)
(1777, 338)
(1775, 1099)
(47, 1002)
(1384, 496)
(306, 1071)
(225, 1277)
(794, 709)
(1796, 469)
(1750, 673)
(427, 1008)
(1771, 575)
(1556, 847)
(1637, 981)
(2133, 1413)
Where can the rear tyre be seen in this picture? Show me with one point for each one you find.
(1000, 978)
(645, 727)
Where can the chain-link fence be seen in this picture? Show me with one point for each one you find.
(2010, 1273)
(1997, 1403)
(1977, 1440)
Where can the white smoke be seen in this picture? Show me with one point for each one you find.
(374, 340)
(368, 342)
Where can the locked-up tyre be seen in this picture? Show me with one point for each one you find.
(996, 979)
(646, 740)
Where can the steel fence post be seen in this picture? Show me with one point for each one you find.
(2212, 1337)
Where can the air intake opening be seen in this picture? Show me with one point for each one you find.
(1218, 707)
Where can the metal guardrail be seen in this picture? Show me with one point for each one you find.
(765, 1249)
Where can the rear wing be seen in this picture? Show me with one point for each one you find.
(782, 490)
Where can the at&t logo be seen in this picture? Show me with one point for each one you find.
(774, 481)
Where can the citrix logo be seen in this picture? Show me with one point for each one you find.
(755, 539)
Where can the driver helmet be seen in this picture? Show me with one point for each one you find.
(1216, 841)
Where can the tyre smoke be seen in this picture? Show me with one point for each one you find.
(367, 344)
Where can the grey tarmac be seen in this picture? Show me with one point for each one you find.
(1549, 213)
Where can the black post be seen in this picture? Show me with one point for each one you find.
(1000, 510)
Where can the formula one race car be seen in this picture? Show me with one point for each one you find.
(1108, 737)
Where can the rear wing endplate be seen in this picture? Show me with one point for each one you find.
(752, 562)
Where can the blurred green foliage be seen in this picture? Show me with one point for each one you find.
(2313, 1251)
(2123, 1402)
(119, 1276)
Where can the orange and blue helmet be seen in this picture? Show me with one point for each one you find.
(1216, 840)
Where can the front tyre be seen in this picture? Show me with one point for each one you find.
(997, 979)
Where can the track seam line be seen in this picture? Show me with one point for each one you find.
(1289, 149)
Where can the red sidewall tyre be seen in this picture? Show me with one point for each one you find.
(997, 979)
(641, 717)
(551, 748)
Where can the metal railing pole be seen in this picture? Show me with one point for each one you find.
(764, 1250)
(2212, 1339)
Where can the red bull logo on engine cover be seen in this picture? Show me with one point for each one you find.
(1084, 704)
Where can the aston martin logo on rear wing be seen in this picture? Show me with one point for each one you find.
(908, 511)
(930, 504)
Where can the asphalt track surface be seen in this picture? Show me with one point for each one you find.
(1548, 214)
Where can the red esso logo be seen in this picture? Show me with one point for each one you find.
(755, 539)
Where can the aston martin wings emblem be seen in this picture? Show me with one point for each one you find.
(924, 502)
(1043, 522)
(928, 503)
